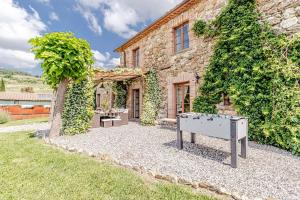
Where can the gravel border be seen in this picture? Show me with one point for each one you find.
(268, 172)
(26, 127)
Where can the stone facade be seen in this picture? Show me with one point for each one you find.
(157, 48)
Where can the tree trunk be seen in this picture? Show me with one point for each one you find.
(58, 109)
(52, 106)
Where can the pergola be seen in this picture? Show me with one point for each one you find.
(118, 74)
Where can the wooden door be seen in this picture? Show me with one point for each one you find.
(136, 104)
(183, 103)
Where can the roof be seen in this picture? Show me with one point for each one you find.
(22, 96)
(182, 7)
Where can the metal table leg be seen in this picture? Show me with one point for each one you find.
(179, 135)
(233, 143)
(193, 138)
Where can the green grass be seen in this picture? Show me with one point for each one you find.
(24, 121)
(30, 169)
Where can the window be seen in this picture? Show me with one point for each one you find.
(136, 57)
(181, 37)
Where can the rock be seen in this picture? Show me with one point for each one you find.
(289, 13)
(289, 22)
(184, 182)
(80, 151)
(91, 154)
(297, 10)
(72, 149)
(274, 20)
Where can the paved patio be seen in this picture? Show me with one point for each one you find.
(267, 173)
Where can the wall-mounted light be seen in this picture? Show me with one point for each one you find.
(197, 77)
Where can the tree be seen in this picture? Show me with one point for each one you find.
(64, 58)
(2, 86)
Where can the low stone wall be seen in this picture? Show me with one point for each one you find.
(20, 112)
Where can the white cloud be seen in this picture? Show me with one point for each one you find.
(91, 19)
(122, 16)
(17, 26)
(53, 16)
(105, 60)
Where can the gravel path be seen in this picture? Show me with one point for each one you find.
(268, 172)
(28, 127)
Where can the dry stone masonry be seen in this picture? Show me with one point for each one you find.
(157, 48)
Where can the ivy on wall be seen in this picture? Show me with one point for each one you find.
(79, 107)
(250, 65)
(152, 99)
(120, 91)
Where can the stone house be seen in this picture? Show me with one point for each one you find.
(170, 46)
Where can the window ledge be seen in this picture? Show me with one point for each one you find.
(181, 51)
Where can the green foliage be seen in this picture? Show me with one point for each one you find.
(120, 91)
(249, 65)
(200, 27)
(152, 99)
(64, 57)
(294, 50)
(78, 108)
(4, 117)
(2, 86)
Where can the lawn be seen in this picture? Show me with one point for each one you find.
(25, 121)
(30, 169)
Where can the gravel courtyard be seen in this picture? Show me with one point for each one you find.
(268, 172)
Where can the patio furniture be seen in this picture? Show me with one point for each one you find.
(168, 122)
(116, 122)
(95, 122)
(106, 123)
(124, 116)
(226, 127)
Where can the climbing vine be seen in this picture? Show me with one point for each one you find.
(79, 107)
(120, 91)
(152, 99)
(250, 65)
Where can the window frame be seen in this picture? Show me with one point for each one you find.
(182, 37)
(136, 54)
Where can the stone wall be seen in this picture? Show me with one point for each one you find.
(283, 15)
(157, 49)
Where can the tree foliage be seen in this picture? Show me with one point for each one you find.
(78, 108)
(152, 99)
(249, 65)
(64, 57)
(2, 86)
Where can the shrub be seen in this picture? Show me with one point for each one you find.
(2, 86)
(78, 109)
(152, 99)
(4, 117)
(250, 65)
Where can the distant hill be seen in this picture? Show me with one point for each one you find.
(16, 80)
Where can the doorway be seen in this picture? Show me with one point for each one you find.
(136, 103)
(183, 102)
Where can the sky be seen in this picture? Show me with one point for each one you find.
(105, 24)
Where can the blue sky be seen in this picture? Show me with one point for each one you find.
(105, 24)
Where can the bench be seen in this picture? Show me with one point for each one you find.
(106, 123)
(117, 122)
